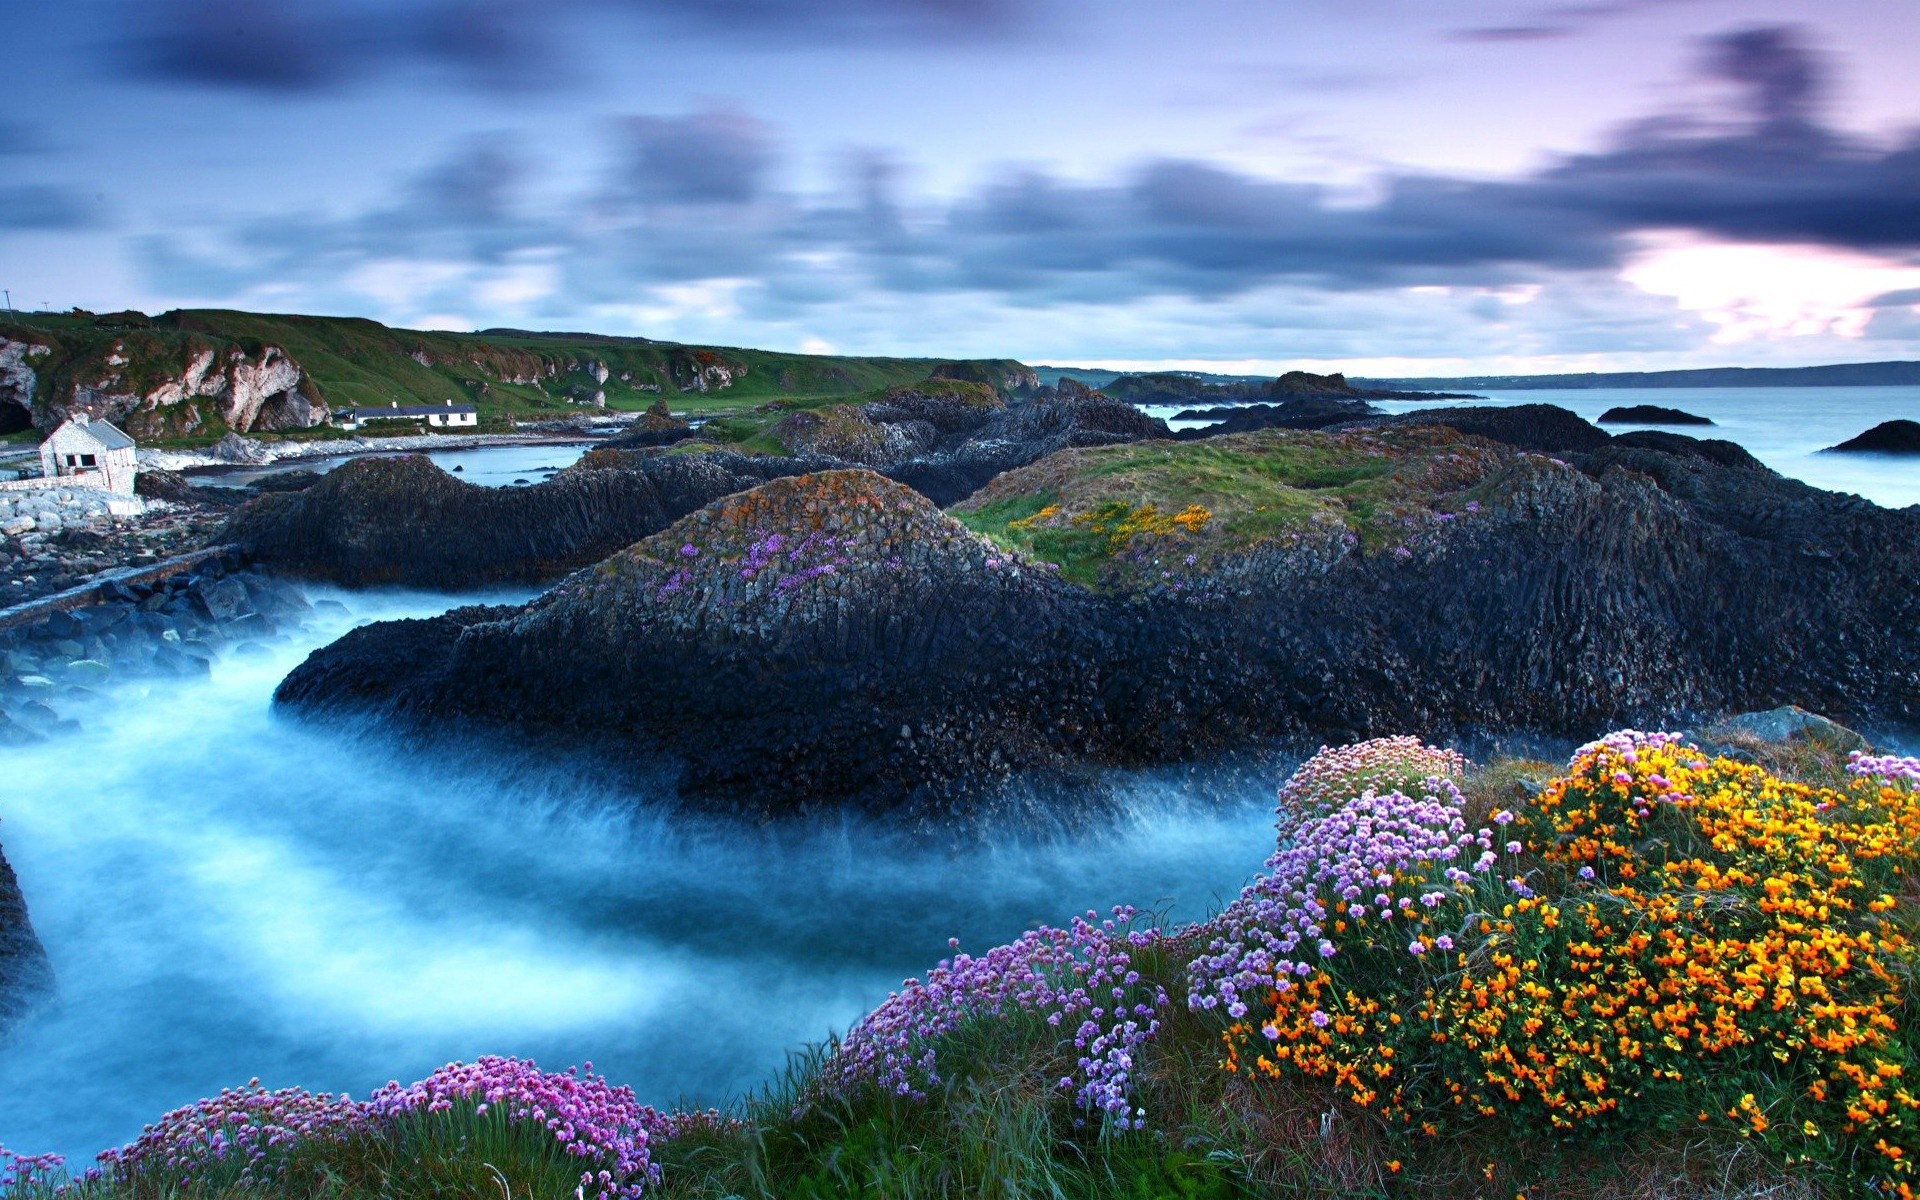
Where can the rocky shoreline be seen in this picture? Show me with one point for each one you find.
(834, 638)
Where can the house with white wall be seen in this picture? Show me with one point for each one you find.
(446, 416)
(83, 452)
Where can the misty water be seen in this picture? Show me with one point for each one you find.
(226, 894)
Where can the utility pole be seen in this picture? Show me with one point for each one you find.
(9, 300)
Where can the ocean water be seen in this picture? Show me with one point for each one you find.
(1785, 428)
(227, 895)
(488, 466)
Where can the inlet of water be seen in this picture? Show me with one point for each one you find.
(227, 894)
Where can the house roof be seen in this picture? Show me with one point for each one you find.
(408, 410)
(100, 431)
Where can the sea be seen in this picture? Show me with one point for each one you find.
(1786, 428)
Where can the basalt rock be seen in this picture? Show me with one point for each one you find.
(833, 638)
(1060, 418)
(405, 521)
(1650, 414)
(1888, 437)
(1541, 428)
(1308, 411)
(26, 977)
(656, 427)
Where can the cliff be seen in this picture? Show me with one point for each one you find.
(199, 374)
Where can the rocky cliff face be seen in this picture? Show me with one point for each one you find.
(834, 638)
(153, 388)
(25, 975)
(18, 378)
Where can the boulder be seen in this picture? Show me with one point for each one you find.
(26, 977)
(1649, 414)
(1888, 437)
(1786, 723)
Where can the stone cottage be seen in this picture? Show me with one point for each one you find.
(84, 452)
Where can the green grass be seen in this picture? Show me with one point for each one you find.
(1255, 488)
(356, 362)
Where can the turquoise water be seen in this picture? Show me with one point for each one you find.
(228, 895)
(488, 466)
(1782, 427)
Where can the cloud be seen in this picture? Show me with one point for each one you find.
(45, 207)
(293, 46)
(1776, 65)
(19, 138)
(712, 157)
(1560, 21)
(695, 199)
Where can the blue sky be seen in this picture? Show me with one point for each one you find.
(1380, 185)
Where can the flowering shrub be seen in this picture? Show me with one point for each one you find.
(591, 1119)
(244, 1135)
(1081, 979)
(1359, 911)
(1334, 776)
(1888, 768)
(21, 1173)
(249, 1128)
(1694, 940)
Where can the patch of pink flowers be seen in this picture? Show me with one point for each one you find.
(1887, 766)
(592, 1120)
(1335, 775)
(1081, 978)
(247, 1125)
(601, 1125)
(1391, 861)
(24, 1171)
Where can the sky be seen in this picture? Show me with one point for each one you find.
(1379, 186)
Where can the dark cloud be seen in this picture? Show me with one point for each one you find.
(1512, 33)
(1560, 21)
(45, 207)
(713, 157)
(696, 197)
(308, 45)
(18, 138)
(1776, 65)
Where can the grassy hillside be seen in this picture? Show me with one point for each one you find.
(505, 373)
(1119, 516)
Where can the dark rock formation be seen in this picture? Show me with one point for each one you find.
(1714, 450)
(1541, 428)
(405, 521)
(1065, 416)
(1174, 388)
(1311, 411)
(656, 427)
(1888, 437)
(834, 638)
(171, 627)
(25, 974)
(1649, 414)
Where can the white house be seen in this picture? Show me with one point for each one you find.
(447, 416)
(84, 452)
